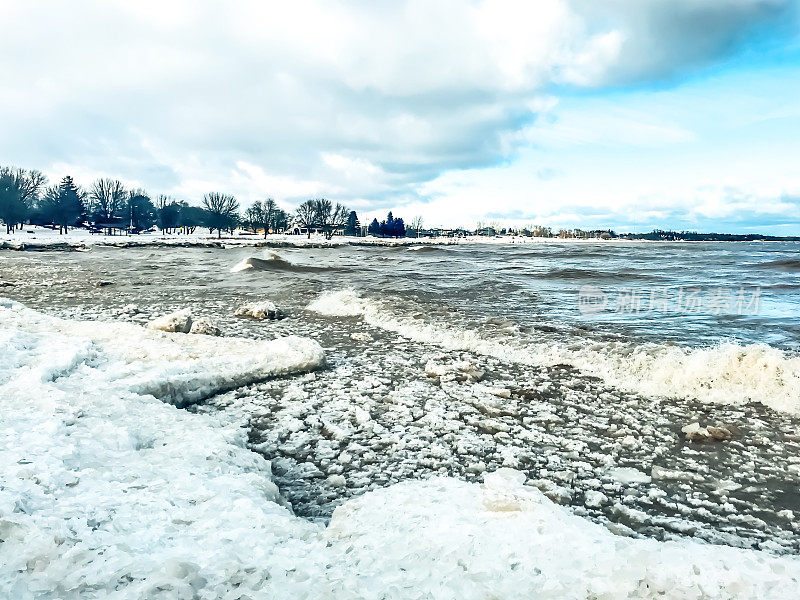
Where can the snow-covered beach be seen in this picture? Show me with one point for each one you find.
(33, 237)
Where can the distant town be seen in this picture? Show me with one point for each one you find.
(108, 207)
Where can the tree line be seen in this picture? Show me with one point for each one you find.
(108, 205)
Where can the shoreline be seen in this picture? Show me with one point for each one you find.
(81, 240)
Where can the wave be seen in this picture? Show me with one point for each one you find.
(427, 248)
(788, 264)
(274, 262)
(728, 373)
(578, 274)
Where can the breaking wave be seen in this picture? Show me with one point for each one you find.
(727, 373)
(274, 262)
(424, 249)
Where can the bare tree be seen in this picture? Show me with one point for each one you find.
(254, 215)
(19, 191)
(307, 214)
(222, 210)
(416, 224)
(108, 198)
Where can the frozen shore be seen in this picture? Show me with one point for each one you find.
(39, 238)
(109, 491)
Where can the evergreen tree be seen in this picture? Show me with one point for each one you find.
(141, 210)
(374, 228)
(398, 228)
(387, 226)
(168, 213)
(353, 226)
(64, 205)
(280, 221)
(192, 217)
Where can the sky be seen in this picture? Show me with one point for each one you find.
(623, 114)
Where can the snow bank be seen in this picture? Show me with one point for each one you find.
(109, 492)
(104, 491)
(173, 367)
(450, 539)
(728, 373)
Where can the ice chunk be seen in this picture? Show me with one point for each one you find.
(178, 322)
(204, 326)
(628, 475)
(594, 499)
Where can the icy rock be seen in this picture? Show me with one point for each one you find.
(205, 326)
(259, 311)
(177, 322)
(695, 433)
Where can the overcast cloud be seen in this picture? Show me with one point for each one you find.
(418, 106)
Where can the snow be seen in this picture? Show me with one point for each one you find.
(109, 492)
(34, 238)
(173, 367)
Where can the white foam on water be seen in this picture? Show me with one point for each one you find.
(108, 492)
(727, 373)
